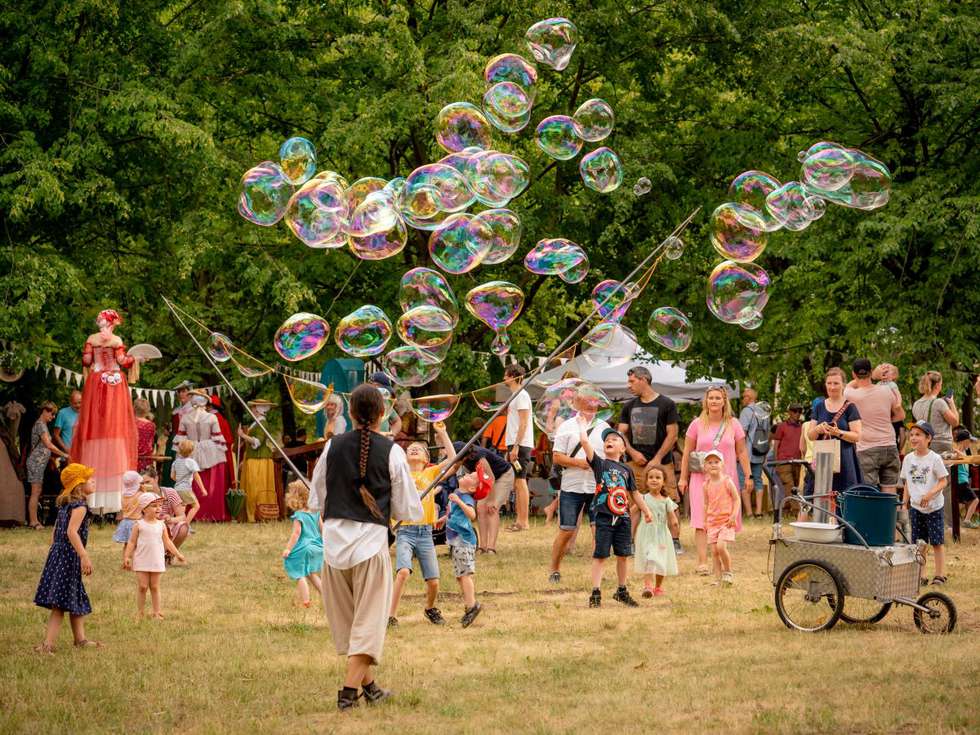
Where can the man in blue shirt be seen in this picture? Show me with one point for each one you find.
(64, 422)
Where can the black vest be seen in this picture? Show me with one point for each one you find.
(343, 494)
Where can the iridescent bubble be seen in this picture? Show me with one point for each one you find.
(370, 208)
(219, 347)
(750, 189)
(430, 192)
(425, 326)
(264, 194)
(738, 232)
(789, 205)
(870, 184)
(670, 328)
(752, 321)
(601, 170)
(612, 299)
(381, 244)
(297, 157)
(460, 125)
(507, 100)
(496, 178)
(249, 367)
(552, 42)
(497, 304)
(595, 119)
(563, 400)
(461, 244)
(410, 367)
(491, 397)
(364, 332)
(421, 286)
(511, 68)
(308, 395)
(642, 186)
(507, 124)
(577, 273)
(317, 211)
(752, 346)
(609, 344)
(435, 408)
(506, 229)
(818, 207)
(829, 168)
(737, 291)
(555, 256)
(558, 137)
(301, 336)
(673, 247)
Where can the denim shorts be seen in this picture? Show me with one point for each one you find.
(570, 506)
(416, 541)
(613, 533)
(930, 527)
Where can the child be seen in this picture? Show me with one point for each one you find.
(61, 589)
(721, 501)
(925, 476)
(172, 510)
(303, 556)
(145, 552)
(414, 538)
(655, 552)
(462, 540)
(965, 494)
(131, 481)
(613, 529)
(185, 473)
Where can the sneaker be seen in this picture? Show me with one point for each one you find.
(648, 591)
(374, 694)
(470, 615)
(678, 549)
(555, 577)
(623, 595)
(346, 699)
(392, 622)
(595, 599)
(727, 579)
(658, 592)
(434, 616)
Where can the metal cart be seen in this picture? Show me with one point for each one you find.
(818, 584)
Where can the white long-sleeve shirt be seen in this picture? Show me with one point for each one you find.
(347, 543)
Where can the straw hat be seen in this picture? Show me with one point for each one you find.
(200, 392)
(75, 474)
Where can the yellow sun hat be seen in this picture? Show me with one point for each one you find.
(74, 475)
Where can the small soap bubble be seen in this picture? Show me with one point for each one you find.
(595, 119)
(460, 125)
(219, 347)
(738, 232)
(750, 189)
(297, 157)
(642, 186)
(673, 248)
(752, 346)
(558, 137)
(552, 42)
(264, 194)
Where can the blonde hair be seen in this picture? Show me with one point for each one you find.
(49, 406)
(663, 478)
(141, 407)
(297, 495)
(835, 371)
(186, 448)
(929, 381)
(70, 496)
(726, 411)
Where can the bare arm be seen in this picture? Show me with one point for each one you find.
(169, 546)
(46, 441)
(736, 501)
(56, 436)
(445, 443)
(951, 415)
(634, 454)
(523, 417)
(638, 499)
(468, 511)
(898, 411)
(685, 467)
(743, 459)
(583, 438)
(293, 538)
(668, 444)
(200, 484)
(936, 489)
(131, 546)
(75, 523)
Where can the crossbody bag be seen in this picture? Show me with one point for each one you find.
(695, 462)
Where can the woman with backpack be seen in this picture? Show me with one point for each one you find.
(756, 427)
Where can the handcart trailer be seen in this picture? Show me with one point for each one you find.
(817, 584)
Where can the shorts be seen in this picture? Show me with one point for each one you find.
(965, 494)
(756, 469)
(613, 532)
(880, 465)
(416, 541)
(524, 458)
(123, 531)
(639, 474)
(570, 507)
(464, 559)
(789, 475)
(718, 533)
(930, 527)
(188, 497)
(501, 490)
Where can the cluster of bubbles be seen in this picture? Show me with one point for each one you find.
(562, 400)
(761, 204)
(557, 256)
(561, 137)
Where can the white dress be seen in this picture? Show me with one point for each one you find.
(149, 554)
(202, 428)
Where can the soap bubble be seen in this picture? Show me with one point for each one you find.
(601, 170)
(642, 186)
(506, 229)
(460, 125)
(818, 207)
(264, 195)
(752, 321)
(828, 168)
(507, 124)
(511, 68)
(737, 291)
(491, 397)
(301, 336)
(380, 245)
(297, 157)
(595, 119)
(435, 408)
(752, 346)
(219, 347)
(370, 208)
(552, 42)
(461, 244)
(750, 189)
(738, 232)
(558, 137)
(249, 367)
(609, 344)
(788, 204)
(556, 256)
(507, 100)
(410, 367)
(673, 247)
(421, 286)
(425, 326)
(670, 328)
(870, 184)
(612, 299)
(561, 402)
(430, 192)
(497, 304)
(308, 396)
(364, 332)
(317, 211)
(496, 178)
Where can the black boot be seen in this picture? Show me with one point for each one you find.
(375, 694)
(346, 699)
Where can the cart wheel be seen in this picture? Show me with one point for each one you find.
(860, 610)
(809, 597)
(942, 615)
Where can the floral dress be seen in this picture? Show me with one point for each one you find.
(61, 580)
(37, 460)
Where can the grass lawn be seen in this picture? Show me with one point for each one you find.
(235, 654)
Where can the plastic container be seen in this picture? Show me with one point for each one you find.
(819, 533)
(872, 512)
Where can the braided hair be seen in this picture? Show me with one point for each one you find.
(366, 407)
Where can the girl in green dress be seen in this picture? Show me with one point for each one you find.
(303, 555)
(655, 556)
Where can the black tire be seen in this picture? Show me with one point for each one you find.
(945, 620)
(809, 596)
(859, 610)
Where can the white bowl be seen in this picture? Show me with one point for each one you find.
(820, 533)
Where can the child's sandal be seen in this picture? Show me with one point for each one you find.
(702, 570)
(938, 581)
(44, 648)
(85, 643)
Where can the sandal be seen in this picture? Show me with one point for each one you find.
(516, 529)
(938, 581)
(85, 643)
(44, 648)
(702, 570)
(37, 526)
(491, 551)
(480, 550)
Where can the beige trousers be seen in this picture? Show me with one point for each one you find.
(356, 601)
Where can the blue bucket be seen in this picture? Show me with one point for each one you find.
(872, 512)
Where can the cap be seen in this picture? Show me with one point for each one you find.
(925, 427)
(131, 480)
(145, 499)
(75, 474)
(381, 378)
(962, 435)
(611, 431)
(714, 453)
(795, 407)
(484, 484)
(861, 367)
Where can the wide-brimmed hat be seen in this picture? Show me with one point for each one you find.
(183, 384)
(145, 499)
(75, 474)
(131, 480)
(200, 392)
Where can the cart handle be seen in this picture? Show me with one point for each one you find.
(801, 499)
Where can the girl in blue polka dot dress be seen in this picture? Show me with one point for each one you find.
(61, 589)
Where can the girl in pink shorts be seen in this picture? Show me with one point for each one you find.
(721, 503)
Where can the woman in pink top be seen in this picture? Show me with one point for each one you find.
(715, 428)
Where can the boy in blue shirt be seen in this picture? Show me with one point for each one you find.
(615, 487)
(462, 539)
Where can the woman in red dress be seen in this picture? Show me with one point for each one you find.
(146, 434)
(105, 435)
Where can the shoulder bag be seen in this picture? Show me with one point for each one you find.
(831, 446)
(695, 462)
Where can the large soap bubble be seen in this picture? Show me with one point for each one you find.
(380, 245)
(364, 332)
(297, 157)
(421, 286)
(506, 229)
(410, 366)
(497, 304)
(495, 178)
(595, 119)
(435, 408)
(264, 194)
(460, 125)
(738, 232)
(828, 168)
(609, 344)
(317, 212)
(308, 396)
(613, 299)
(219, 347)
(670, 328)
(552, 42)
(601, 170)
(461, 244)
(845, 176)
(370, 208)
(507, 100)
(491, 397)
(425, 326)
(301, 336)
(736, 291)
(790, 205)
(511, 68)
(561, 401)
(750, 189)
(504, 123)
(558, 136)
(431, 192)
(558, 256)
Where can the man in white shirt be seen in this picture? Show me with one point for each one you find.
(520, 441)
(577, 479)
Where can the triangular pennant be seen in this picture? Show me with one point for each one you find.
(78, 379)
(57, 372)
